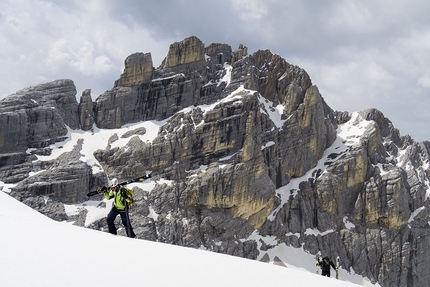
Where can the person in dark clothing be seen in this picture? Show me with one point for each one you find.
(325, 266)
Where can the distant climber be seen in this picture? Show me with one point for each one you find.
(325, 266)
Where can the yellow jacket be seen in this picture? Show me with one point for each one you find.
(121, 195)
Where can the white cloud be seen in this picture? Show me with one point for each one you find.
(43, 41)
(250, 10)
(350, 17)
(80, 57)
(424, 80)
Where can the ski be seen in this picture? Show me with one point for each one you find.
(137, 179)
(128, 230)
(337, 267)
(317, 265)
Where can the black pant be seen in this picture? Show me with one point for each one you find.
(325, 273)
(111, 225)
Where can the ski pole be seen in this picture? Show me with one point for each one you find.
(337, 267)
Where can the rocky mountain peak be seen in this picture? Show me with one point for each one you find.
(190, 50)
(138, 69)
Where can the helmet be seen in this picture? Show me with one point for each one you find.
(114, 182)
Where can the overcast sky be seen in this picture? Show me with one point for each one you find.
(360, 54)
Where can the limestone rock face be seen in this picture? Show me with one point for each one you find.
(245, 154)
(138, 69)
(219, 53)
(66, 178)
(86, 111)
(37, 116)
(187, 51)
(173, 87)
(239, 53)
(31, 120)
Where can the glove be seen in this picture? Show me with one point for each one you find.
(102, 190)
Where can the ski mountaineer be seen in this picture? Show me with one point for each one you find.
(123, 198)
(325, 266)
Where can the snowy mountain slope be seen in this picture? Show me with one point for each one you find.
(64, 255)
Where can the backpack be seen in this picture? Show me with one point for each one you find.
(127, 194)
(326, 261)
(325, 264)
